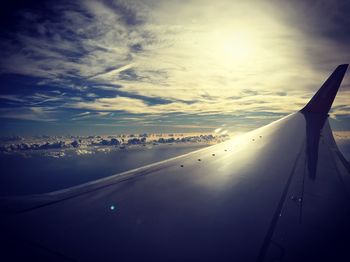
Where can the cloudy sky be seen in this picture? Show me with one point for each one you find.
(101, 67)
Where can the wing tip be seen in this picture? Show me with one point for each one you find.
(322, 101)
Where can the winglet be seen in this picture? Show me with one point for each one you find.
(322, 101)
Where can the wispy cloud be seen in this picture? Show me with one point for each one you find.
(14, 98)
(145, 58)
(32, 114)
(242, 105)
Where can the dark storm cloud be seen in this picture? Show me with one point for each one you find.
(329, 19)
(326, 26)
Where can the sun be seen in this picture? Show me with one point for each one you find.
(238, 46)
(234, 47)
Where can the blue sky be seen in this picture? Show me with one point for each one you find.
(103, 67)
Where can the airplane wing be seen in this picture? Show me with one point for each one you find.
(278, 193)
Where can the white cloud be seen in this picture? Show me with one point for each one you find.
(200, 56)
(245, 104)
(32, 113)
(14, 98)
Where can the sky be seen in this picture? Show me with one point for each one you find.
(117, 66)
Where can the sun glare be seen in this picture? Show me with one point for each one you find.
(238, 46)
(234, 47)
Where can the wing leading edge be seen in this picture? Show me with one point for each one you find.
(280, 192)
